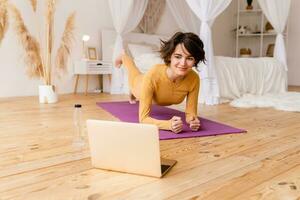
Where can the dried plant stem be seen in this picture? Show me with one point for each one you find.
(31, 46)
(40, 64)
(66, 42)
(3, 19)
(49, 37)
(33, 4)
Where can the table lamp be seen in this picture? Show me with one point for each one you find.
(85, 38)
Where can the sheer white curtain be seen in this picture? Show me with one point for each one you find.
(207, 11)
(186, 20)
(277, 12)
(126, 15)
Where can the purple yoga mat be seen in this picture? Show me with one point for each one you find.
(129, 113)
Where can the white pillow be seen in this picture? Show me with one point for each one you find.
(138, 49)
(145, 61)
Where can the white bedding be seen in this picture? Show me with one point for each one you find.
(239, 76)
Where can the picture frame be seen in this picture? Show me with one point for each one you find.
(92, 53)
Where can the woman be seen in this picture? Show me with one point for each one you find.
(169, 83)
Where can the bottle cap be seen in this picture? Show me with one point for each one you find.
(77, 105)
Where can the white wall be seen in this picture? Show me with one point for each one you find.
(91, 17)
(294, 44)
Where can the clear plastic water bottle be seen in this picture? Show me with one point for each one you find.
(78, 140)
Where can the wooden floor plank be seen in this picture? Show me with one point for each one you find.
(199, 174)
(283, 186)
(38, 161)
(231, 185)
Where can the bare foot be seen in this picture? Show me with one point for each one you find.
(132, 99)
(118, 61)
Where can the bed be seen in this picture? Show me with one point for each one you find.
(236, 76)
(258, 76)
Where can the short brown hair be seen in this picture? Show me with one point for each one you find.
(191, 42)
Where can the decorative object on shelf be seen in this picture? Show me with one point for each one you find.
(249, 5)
(270, 50)
(4, 22)
(269, 28)
(244, 30)
(245, 52)
(85, 38)
(261, 33)
(39, 54)
(92, 53)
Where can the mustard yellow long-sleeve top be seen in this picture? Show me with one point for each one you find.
(156, 87)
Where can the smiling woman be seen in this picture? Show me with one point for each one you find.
(169, 83)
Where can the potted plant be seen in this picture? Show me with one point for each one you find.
(39, 58)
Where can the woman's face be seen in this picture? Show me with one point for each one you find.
(181, 61)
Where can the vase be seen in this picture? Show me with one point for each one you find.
(249, 5)
(47, 94)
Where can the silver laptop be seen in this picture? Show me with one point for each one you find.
(126, 147)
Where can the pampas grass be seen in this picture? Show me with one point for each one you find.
(3, 19)
(33, 4)
(39, 63)
(49, 38)
(33, 61)
(66, 42)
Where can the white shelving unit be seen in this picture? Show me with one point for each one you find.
(257, 39)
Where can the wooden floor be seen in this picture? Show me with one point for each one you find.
(38, 161)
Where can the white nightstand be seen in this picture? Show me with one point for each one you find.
(93, 67)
